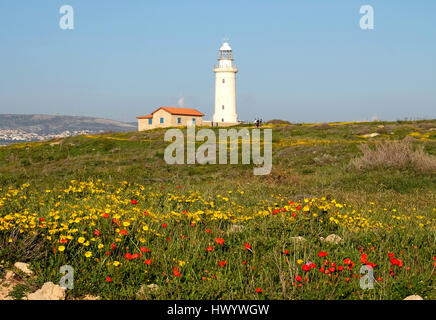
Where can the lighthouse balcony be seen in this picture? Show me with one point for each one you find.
(232, 68)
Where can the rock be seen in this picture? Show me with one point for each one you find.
(413, 297)
(10, 276)
(371, 135)
(153, 288)
(88, 297)
(8, 283)
(332, 238)
(24, 267)
(49, 291)
(298, 239)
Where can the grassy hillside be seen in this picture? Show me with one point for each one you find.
(378, 194)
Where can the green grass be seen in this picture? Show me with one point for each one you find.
(309, 161)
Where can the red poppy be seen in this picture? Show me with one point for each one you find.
(322, 254)
(244, 262)
(298, 278)
(207, 230)
(164, 225)
(105, 215)
(305, 267)
(97, 233)
(259, 290)
(123, 232)
(299, 208)
(134, 202)
(293, 214)
(144, 249)
(209, 249)
(275, 211)
(168, 239)
(148, 261)
(219, 241)
(340, 268)
(332, 269)
(113, 246)
(108, 253)
(291, 202)
(396, 262)
(222, 263)
(176, 271)
(41, 219)
(391, 254)
(347, 261)
(128, 256)
(108, 279)
(286, 252)
(247, 246)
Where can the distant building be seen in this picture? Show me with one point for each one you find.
(170, 117)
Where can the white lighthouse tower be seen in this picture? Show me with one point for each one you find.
(225, 87)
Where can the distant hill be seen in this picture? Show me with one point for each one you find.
(42, 123)
(19, 127)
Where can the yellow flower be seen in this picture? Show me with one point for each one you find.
(100, 245)
(116, 263)
(88, 254)
(61, 248)
(81, 240)
(299, 261)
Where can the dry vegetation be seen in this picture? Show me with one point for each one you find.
(398, 155)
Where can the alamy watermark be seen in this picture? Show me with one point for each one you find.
(367, 279)
(67, 279)
(206, 153)
(367, 20)
(66, 22)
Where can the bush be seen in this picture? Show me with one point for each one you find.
(398, 155)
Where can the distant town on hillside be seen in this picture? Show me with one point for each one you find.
(36, 127)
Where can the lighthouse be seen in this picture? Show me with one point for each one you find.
(225, 87)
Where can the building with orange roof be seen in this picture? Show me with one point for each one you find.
(164, 117)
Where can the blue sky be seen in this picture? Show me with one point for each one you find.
(304, 61)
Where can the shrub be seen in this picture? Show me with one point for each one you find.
(398, 155)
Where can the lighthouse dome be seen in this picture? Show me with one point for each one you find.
(225, 47)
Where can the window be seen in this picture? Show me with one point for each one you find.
(223, 107)
(150, 121)
(179, 120)
(161, 120)
(224, 80)
(193, 120)
(222, 120)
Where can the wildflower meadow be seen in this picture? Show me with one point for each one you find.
(132, 227)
